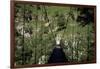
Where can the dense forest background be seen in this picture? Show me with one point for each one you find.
(37, 27)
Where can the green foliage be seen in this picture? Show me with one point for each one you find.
(61, 22)
(35, 37)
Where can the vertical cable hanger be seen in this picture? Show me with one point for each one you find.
(36, 33)
(47, 20)
(23, 49)
(77, 36)
(41, 33)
